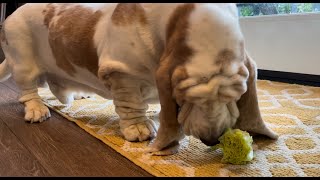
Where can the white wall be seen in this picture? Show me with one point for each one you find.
(289, 43)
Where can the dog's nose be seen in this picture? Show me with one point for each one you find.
(209, 142)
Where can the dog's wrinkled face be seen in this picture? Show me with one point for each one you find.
(208, 86)
(208, 105)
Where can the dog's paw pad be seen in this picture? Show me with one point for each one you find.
(140, 131)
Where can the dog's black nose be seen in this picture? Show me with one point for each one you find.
(209, 142)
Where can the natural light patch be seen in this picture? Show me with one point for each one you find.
(259, 9)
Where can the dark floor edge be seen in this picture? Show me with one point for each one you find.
(289, 77)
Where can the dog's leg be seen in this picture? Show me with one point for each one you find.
(26, 75)
(131, 107)
(64, 89)
(59, 89)
(19, 51)
(60, 93)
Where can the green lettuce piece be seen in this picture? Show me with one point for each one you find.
(236, 146)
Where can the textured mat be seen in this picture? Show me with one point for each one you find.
(291, 110)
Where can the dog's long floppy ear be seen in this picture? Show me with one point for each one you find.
(250, 117)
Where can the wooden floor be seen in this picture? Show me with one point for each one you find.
(56, 147)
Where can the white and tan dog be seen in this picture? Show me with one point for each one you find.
(191, 57)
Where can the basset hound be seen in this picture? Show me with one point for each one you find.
(190, 58)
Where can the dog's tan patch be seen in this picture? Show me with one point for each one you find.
(176, 33)
(48, 14)
(176, 53)
(179, 74)
(128, 13)
(71, 37)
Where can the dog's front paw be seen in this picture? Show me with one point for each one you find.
(36, 111)
(140, 131)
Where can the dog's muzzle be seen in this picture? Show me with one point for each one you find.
(207, 123)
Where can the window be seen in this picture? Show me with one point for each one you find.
(282, 36)
(258, 9)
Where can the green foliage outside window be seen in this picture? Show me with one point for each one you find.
(305, 7)
(284, 8)
(247, 11)
(255, 9)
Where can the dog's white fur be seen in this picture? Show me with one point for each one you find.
(130, 72)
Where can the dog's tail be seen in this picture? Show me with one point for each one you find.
(5, 72)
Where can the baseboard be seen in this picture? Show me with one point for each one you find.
(289, 77)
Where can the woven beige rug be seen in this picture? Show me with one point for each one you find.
(291, 110)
